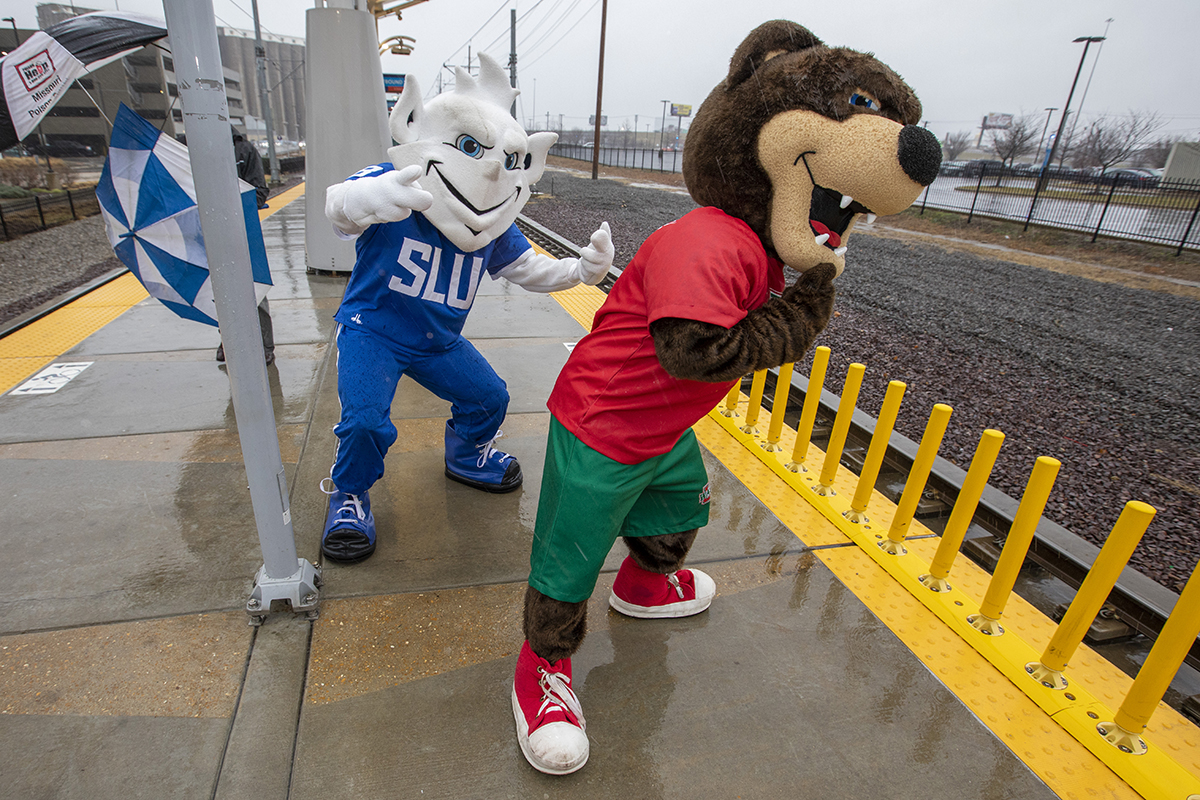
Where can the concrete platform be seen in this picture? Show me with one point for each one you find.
(127, 668)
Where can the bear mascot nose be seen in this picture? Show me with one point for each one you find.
(920, 154)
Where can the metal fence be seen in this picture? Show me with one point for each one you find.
(651, 158)
(28, 214)
(1120, 206)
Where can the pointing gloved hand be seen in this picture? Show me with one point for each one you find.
(355, 205)
(596, 257)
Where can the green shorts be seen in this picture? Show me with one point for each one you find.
(588, 500)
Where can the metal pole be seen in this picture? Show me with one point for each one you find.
(662, 130)
(512, 57)
(1188, 230)
(1062, 123)
(193, 33)
(260, 61)
(1046, 127)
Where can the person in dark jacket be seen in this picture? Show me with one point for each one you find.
(250, 169)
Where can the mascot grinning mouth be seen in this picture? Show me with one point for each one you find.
(433, 165)
(830, 214)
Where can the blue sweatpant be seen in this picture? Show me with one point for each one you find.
(368, 372)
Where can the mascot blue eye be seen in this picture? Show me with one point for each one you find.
(862, 101)
(469, 145)
(511, 160)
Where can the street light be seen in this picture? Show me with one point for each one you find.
(1046, 127)
(663, 129)
(1087, 41)
(16, 33)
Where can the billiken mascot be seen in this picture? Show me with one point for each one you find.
(796, 144)
(427, 226)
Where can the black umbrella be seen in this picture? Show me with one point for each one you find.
(35, 75)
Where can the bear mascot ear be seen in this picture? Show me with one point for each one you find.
(767, 41)
(405, 119)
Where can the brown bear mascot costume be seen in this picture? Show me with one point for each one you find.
(786, 153)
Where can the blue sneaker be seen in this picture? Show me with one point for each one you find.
(349, 528)
(480, 466)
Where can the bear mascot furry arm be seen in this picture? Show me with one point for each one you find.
(796, 144)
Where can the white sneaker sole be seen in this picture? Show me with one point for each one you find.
(551, 730)
(706, 589)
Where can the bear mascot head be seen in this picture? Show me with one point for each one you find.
(801, 139)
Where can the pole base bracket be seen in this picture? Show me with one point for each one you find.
(301, 591)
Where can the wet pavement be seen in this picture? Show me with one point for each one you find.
(127, 668)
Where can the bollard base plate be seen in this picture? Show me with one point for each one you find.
(301, 591)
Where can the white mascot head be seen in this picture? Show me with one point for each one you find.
(476, 160)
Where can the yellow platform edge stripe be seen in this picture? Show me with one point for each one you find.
(1068, 754)
(40, 343)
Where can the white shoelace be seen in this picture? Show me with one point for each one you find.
(486, 450)
(673, 579)
(557, 694)
(351, 504)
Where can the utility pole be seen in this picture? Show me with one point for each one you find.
(663, 129)
(260, 60)
(512, 57)
(599, 92)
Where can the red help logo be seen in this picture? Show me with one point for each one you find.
(36, 70)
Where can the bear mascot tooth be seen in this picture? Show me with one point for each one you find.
(427, 226)
(785, 155)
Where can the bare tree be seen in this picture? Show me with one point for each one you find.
(1109, 141)
(1018, 139)
(955, 143)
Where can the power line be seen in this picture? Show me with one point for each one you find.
(564, 35)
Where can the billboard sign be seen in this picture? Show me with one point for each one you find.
(393, 84)
(1000, 122)
(680, 110)
(603, 119)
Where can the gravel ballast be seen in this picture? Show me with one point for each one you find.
(1100, 376)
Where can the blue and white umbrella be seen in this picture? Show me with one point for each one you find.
(148, 200)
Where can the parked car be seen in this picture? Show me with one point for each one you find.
(1134, 178)
(974, 169)
(952, 169)
(60, 149)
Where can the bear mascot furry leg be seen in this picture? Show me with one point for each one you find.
(796, 144)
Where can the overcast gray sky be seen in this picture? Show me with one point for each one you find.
(963, 59)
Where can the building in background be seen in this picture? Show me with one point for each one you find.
(145, 81)
(285, 80)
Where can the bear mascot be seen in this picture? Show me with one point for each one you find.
(427, 225)
(784, 156)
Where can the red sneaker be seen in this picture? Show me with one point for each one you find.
(550, 724)
(648, 595)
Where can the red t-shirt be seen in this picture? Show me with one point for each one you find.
(613, 394)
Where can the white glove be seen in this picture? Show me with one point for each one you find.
(597, 257)
(538, 273)
(354, 206)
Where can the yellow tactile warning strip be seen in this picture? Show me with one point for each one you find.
(1046, 735)
(40, 343)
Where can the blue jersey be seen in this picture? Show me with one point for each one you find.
(412, 286)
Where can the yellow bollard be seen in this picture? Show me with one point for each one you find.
(918, 475)
(1100, 580)
(808, 413)
(731, 400)
(757, 386)
(841, 427)
(778, 407)
(878, 449)
(1004, 577)
(1155, 676)
(964, 510)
